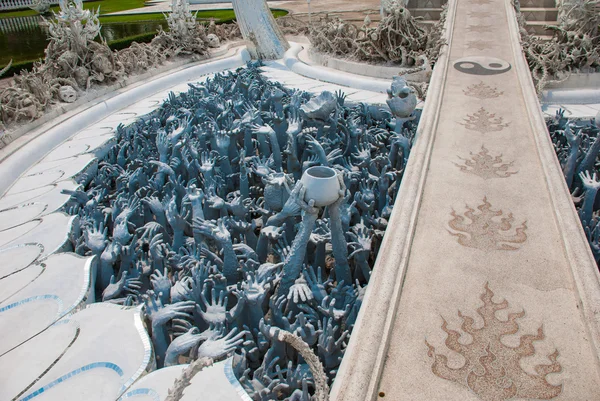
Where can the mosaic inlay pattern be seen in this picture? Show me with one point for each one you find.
(148, 392)
(59, 303)
(228, 368)
(486, 166)
(83, 369)
(77, 331)
(492, 370)
(482, 91)
(487, 229)
(482, 65)
(484, 122)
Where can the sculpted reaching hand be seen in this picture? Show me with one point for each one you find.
(159, 315)
(221, 235)
(95, 238)
(161, 284)
(182, 345)
(591, 185)
(119, 288)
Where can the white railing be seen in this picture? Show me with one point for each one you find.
(16, 4)
(19, 24)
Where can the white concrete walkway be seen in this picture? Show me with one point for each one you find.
(485, 287)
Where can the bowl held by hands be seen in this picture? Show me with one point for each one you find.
(321, 185)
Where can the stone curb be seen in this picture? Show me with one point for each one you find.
(332, 76)
(571, 96)
(311, 57)
(578, 80)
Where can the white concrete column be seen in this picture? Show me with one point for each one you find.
(260, 29)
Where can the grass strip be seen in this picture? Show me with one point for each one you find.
(223, 15)
(124, 43)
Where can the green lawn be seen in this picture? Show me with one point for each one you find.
(106, 7)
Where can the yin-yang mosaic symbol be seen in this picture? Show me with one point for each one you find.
(482, 65)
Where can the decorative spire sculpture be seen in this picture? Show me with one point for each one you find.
(260, 29)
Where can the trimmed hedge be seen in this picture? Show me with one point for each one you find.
(123, 43)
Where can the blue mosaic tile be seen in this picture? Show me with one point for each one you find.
(35, 298)
(142, 391)
(95, 365)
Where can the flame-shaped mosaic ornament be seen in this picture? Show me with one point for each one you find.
(487, 229)
(485, 165)
(484, 122)
(482, 91)
(492, 370)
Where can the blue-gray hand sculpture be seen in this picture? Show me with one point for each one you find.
(242, 204)
(577, 145)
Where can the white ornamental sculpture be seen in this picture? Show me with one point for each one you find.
(260, 29)
(387, 6)
(41, 6)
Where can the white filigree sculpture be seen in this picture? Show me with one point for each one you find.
(185, 35)
(397, 39)
(574, 46)
(388, 6)
(41, 6)
(258, 26)
(181, 20)
(74, 59)
(77, 56)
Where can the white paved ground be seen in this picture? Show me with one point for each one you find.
(588, 110)
(277, 71)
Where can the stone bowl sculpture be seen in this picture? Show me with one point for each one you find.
(322, 185)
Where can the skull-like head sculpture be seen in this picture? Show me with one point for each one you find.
(213, 40)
